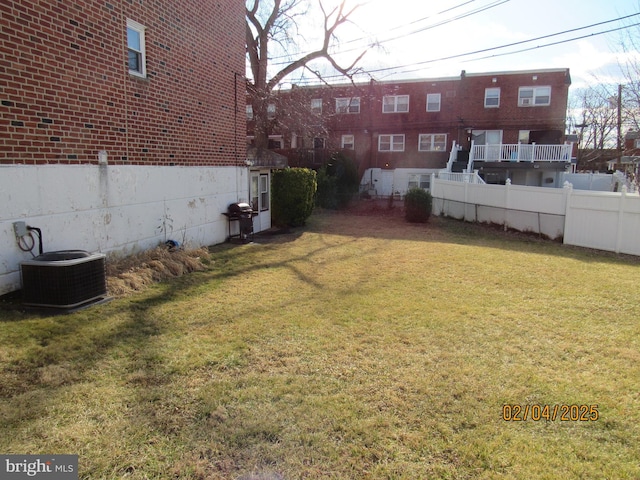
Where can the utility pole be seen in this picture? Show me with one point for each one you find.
(619, 117)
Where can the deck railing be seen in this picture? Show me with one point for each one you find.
(522, 153)
(460, 177)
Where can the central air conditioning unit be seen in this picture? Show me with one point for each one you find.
(65, 279)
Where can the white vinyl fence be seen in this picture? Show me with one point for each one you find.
(601, 220)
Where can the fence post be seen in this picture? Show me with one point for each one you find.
(623, 196)
(466, 200)
(568, 190)
(507, 190)
(431, 191)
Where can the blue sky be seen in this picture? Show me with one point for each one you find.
(591, 60)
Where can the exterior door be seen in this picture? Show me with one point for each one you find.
(260, 195)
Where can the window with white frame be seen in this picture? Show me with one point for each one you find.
(391, 143)
(136, 49)
(348, 105)
(271, 111)
(348, 142)
(395, 104)
(636, 143)
(419, 180)
(491, 97)
(249, 112)
(534, 96)
(316, 106)
(264, 192)
(433, 102)
(432, 142)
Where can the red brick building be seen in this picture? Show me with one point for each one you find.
(414, 124)
(121, 125)
(68, 89)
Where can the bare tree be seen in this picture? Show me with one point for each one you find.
(594, 115)
(630, 98)
(273, 25)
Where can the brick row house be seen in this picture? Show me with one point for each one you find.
(121, 124)
(500, 125)
(629, 162)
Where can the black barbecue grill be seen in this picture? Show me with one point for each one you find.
(243, 214)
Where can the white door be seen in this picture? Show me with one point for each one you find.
(260, 195)
(386, 179)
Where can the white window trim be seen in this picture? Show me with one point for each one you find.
(395, 103)
(351, 102)
(316, 109)
(486, 97)
(526, 102)
(417, 180)
(271, 111)
(432, 135)
(352, 142)
(138, 27)
(439, 101)
(263, 191)
(391, 142)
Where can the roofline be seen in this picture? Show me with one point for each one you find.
(439, 79)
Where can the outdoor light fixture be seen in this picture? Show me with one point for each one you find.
(102, 157)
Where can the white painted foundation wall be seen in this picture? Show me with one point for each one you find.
(113, 209)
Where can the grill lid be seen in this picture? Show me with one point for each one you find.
(237, 208)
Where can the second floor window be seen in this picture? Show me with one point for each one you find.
(249, 112)
(432, 142)
(348, 105)
(395, 104)
(271, 111)
(491, 97)
(391, 143)
(136, 49)
(534, 96)
(316, 106)
(433, 102)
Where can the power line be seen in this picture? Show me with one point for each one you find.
(451, 57)
(495, 3)
(522, 42)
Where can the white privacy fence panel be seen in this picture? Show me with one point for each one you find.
(601, 220)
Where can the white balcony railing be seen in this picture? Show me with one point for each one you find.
(522, 153)
(460, 177)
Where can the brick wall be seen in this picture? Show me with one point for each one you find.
(65, 90)
(461, 110)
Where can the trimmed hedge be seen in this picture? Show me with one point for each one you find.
(338, 182)
(417, 205)
(292, 195)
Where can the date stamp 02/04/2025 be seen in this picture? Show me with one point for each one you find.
(550, 413)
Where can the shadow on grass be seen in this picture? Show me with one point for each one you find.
(42, 355)
(392, 226)
(45, 355)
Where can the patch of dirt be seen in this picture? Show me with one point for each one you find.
(134, 273)
(376, 207)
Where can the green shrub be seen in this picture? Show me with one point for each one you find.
(338, 182)
(417, 205)
(292, 192)
(327, 194)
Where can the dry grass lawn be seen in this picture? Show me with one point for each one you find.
(358, 347)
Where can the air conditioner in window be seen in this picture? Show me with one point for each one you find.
(525, 101)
